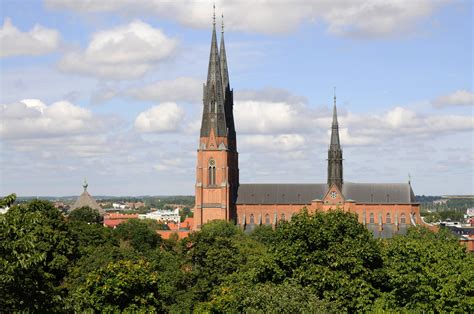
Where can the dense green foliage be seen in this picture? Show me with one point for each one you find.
(35, 252)
(85, 214)
(315, 263)
(428, 271)
(7, 200)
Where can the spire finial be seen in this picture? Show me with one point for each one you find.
(214, 15)
(222, 23)
(85, 185)
(334, 95)
(409, 178)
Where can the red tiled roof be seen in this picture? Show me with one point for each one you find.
(120, 216)
(166, 234)
(188, 223)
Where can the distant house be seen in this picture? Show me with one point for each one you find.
(119, 206)
(163, 215)
(442, 201)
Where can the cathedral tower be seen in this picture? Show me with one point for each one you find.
(217, 173)
(335, 153)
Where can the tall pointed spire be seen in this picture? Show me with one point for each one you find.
(213, 114)
(223, 57)
(335, 152)
(335, 126)
(227, 92)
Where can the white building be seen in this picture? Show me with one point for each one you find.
(163, 215)
(119, 206)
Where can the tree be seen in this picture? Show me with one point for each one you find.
(332, 254)
(125, 285)
(113, 279)
(87, 237)
(263, 234)
(8, 200)
(85, 214)
(138, 234)
(267, 298)
(427, 272)
(214, 253)
(35, 252)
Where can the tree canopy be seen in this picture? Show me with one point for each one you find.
(314, 263)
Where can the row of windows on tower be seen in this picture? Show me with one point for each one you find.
(388, 218)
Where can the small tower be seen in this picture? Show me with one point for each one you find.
(335, 152)
(86, 200)
(217, 159)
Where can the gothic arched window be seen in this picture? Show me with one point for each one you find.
(371, 218)
(403, 219)
(267, 219)
(388, 219)
(212, 172)
(252, 219)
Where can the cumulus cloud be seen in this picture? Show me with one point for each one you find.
(270, 117)
(186, 89)
(282, 142)
(373, 18)
(122, 52)
(39, 40)
(166, 117)
(457, 98)
(31, 118)
(264, 118)
(399, 122)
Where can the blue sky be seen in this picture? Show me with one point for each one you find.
(112, 91)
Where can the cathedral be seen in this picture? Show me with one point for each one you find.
(385, 209)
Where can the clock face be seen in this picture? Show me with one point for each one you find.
(212, 162)
(333, 194)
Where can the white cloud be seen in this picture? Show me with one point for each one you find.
(278, 118)
(166, 117)
(270, 117)
(186, 89)
(31, 118)
(400, 122)
(122, 52)
(39, 40)
(457, 98)
(272, 143)
(373, 18)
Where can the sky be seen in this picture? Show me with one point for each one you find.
(111, 91)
